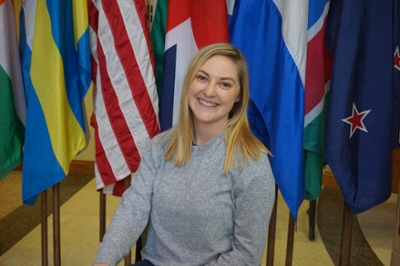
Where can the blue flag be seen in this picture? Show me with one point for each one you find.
(363, 115)
(273, 37)
(56, 74)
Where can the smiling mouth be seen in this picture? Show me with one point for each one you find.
(208, 104)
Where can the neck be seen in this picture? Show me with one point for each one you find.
(204, 133)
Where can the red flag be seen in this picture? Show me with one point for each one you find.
(125, 98)
(191, 25)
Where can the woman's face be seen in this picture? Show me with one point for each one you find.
(213, 92)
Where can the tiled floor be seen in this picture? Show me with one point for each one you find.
(80, 234)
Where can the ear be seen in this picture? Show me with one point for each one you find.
(237, 99)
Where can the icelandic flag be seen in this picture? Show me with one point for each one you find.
(56, 74)
(273, 37)
(191, 25)
(363, 116)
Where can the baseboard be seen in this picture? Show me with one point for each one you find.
(76, 167)
(328, 179)
(82, 167)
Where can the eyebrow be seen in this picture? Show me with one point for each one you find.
(223, 78)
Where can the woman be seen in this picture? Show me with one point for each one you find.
(206, 184)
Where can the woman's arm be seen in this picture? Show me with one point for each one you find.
(254, 194)
(131, 216)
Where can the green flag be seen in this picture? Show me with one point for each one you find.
(317, 83)
(313, 156)
(157, 35)
(12, 99)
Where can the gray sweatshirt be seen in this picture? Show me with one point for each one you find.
(198, 215)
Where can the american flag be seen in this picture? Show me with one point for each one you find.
(125, 96)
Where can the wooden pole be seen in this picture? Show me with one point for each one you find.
(272, 232)
(102, 215)
(290, 240)
(56, 225)
(311, 219)
(45, 253)
(138, 257)
(347, 234)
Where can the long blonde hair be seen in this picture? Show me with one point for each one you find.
(240, 142)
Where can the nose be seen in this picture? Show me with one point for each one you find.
(210, 90)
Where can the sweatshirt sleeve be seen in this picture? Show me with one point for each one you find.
(131, 216)
(253, 195)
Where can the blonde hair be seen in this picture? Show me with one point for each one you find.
(240, 142)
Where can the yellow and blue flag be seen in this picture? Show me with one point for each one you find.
(56, 70)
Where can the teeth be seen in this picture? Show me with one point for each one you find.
(208, 104)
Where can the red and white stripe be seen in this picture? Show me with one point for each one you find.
(318, 69)
(125, 98)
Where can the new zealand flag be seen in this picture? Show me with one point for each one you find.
(363, 115)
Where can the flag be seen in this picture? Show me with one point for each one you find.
(12, 100)
(363, 116)
(157, 36)
(56, 73)
(191, 25)
(126, 101)
(318, 70)
(272, 37)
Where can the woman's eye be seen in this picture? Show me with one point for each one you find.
(201, 77)
(225, 85)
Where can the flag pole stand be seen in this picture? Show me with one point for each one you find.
(311, 219)
(56, 225)
(45, 253)
(290, 240)
(347, 233)
(272, 232)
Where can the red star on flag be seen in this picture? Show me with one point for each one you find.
(356, 120)
(397, 59)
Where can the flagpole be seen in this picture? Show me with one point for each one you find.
(102, 215)
(138, 257)
(45, 253)
(311, 219)
(272, 232)
(347, 233)
(290, 239)
(56, 225)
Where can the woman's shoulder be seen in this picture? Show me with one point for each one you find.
(261, 162)
(161, 140)
(255, 166)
